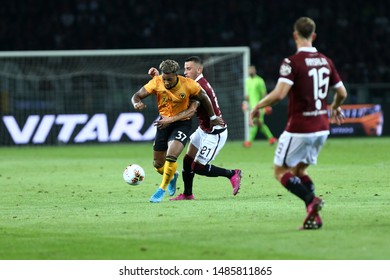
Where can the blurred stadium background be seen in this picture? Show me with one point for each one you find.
(33, 99)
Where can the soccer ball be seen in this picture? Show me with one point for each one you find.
(133, 174)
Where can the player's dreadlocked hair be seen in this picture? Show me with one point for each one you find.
(169, 66)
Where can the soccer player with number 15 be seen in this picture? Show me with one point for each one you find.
(305, 77)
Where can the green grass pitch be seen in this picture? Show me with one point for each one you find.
(71, 203)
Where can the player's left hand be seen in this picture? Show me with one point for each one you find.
(255, 114)
(217, 121)
(139, 106)
(163, 122)
(251, 122)
(153, 72)
(244, 106)
(337, 116)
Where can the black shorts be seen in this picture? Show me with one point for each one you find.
(179, 130)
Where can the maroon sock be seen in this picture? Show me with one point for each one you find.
(295, 186)
(308, 183)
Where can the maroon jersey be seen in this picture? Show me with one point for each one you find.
(311, 74)
(201, 113)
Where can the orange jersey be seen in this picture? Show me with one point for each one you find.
(172, 101)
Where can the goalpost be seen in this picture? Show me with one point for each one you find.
(39, 90)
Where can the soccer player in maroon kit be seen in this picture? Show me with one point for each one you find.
(306, 78)
(206, 142)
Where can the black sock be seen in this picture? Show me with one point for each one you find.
(308, 183)
(295, 186)
(212, 171)
(188, 175)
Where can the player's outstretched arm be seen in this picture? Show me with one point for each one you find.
(277, 94)
(136, 100)
(204, 99)
(206, 103)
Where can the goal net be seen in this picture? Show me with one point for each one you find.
(49, 97)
